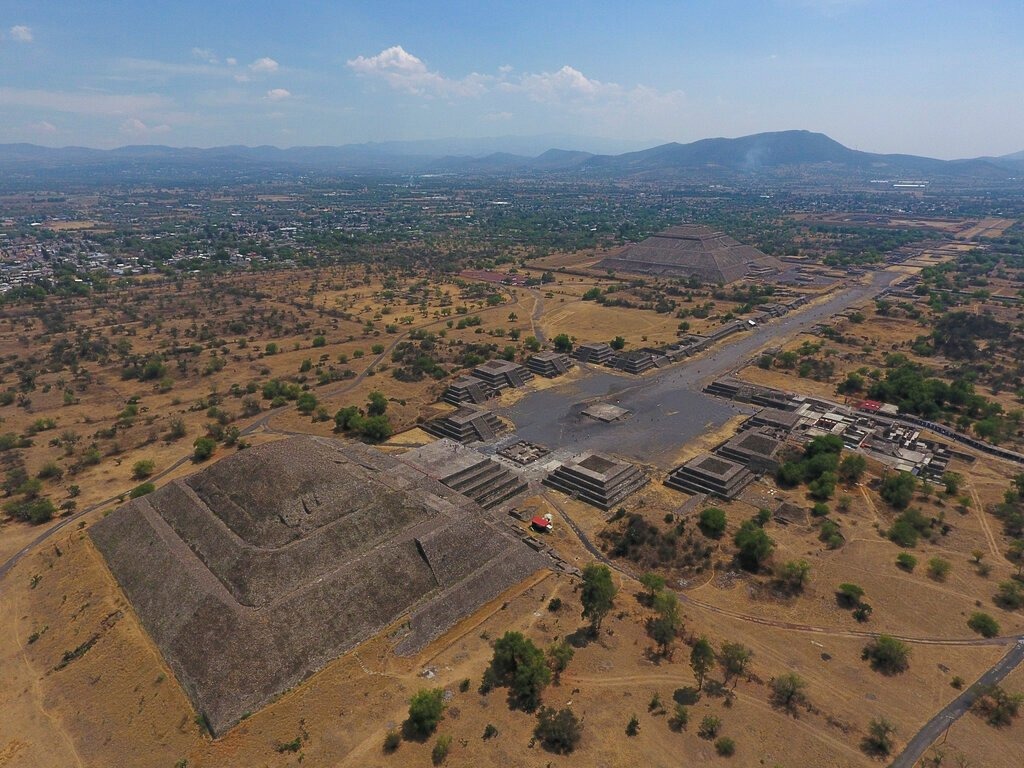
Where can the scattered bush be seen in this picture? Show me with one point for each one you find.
(426, 707)
(938, 568)
(725, 747)
(558, 731)
(712, 522)
(906, 561)
(983, 624)
(887, 655)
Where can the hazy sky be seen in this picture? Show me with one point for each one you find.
(943, 78)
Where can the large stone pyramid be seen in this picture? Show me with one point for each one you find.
(256, 572)
(692, 250)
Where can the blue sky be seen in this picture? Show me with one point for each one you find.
(941, 78)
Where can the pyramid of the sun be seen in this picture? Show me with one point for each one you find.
(692, 250)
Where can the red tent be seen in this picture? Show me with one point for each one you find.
(541, 523)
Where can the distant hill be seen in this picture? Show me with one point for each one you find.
(780, 155)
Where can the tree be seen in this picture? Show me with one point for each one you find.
(306, 403)
(712, 522)
(887, 655)
(558, 731)
(440, 751)
(597, 594)
(1015, 554)
(997, 706)
(141, 490)
(203, 448)
(1009, 596)
(709, 727)
(560, 653)
(617, 343)
(633, 726)
(702, 660)
(849, 595)
(897, 489)
(734, 658)
(906, 561)
(377, 405)
(879, 740)
(426, 707)
(562, 343)
(983, 624)
(725, 747)
(753, 544)
(520, 665)
(143, 469)
(347, 418)
(664, 627)
(851, 467)
(653, 583)
(794, 574)
(952, 482)
(375, 429)
(938, 568)
(788, 691)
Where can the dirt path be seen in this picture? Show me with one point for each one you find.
(993, 545)
(37, 696)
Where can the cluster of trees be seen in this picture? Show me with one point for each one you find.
(820, 467)
(372, 425)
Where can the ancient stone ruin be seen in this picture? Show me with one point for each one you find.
(256, 572)
(597, 479)
(692, 250)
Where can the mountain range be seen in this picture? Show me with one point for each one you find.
(783, 154)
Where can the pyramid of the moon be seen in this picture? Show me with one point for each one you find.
(692, 250)
(254, 573)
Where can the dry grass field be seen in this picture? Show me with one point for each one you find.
(85, 686)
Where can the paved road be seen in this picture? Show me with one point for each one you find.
(924, 738)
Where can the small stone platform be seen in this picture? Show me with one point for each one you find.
(710, 474)
(469, 472)
(466, 425)
(597, 478)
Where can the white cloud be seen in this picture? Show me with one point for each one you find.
(137, 129)
(567, 82)
(406, 72)
(21, 34)
(231, 61)
(82, 102)
(205, 54)
(278, 94)
(264, 65)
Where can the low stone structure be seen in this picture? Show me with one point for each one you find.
(745, 392)
(774, 418)
(256, 572)
(503, 374)
(466, 425)
(597, 479)
(605, 412)
(756, 449)
(710, 474)
(469, 472)
(635, 361)
(523, 452)
(598, 352)
(549, 364)
(468, 389)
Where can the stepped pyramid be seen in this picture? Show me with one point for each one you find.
(692, 250)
